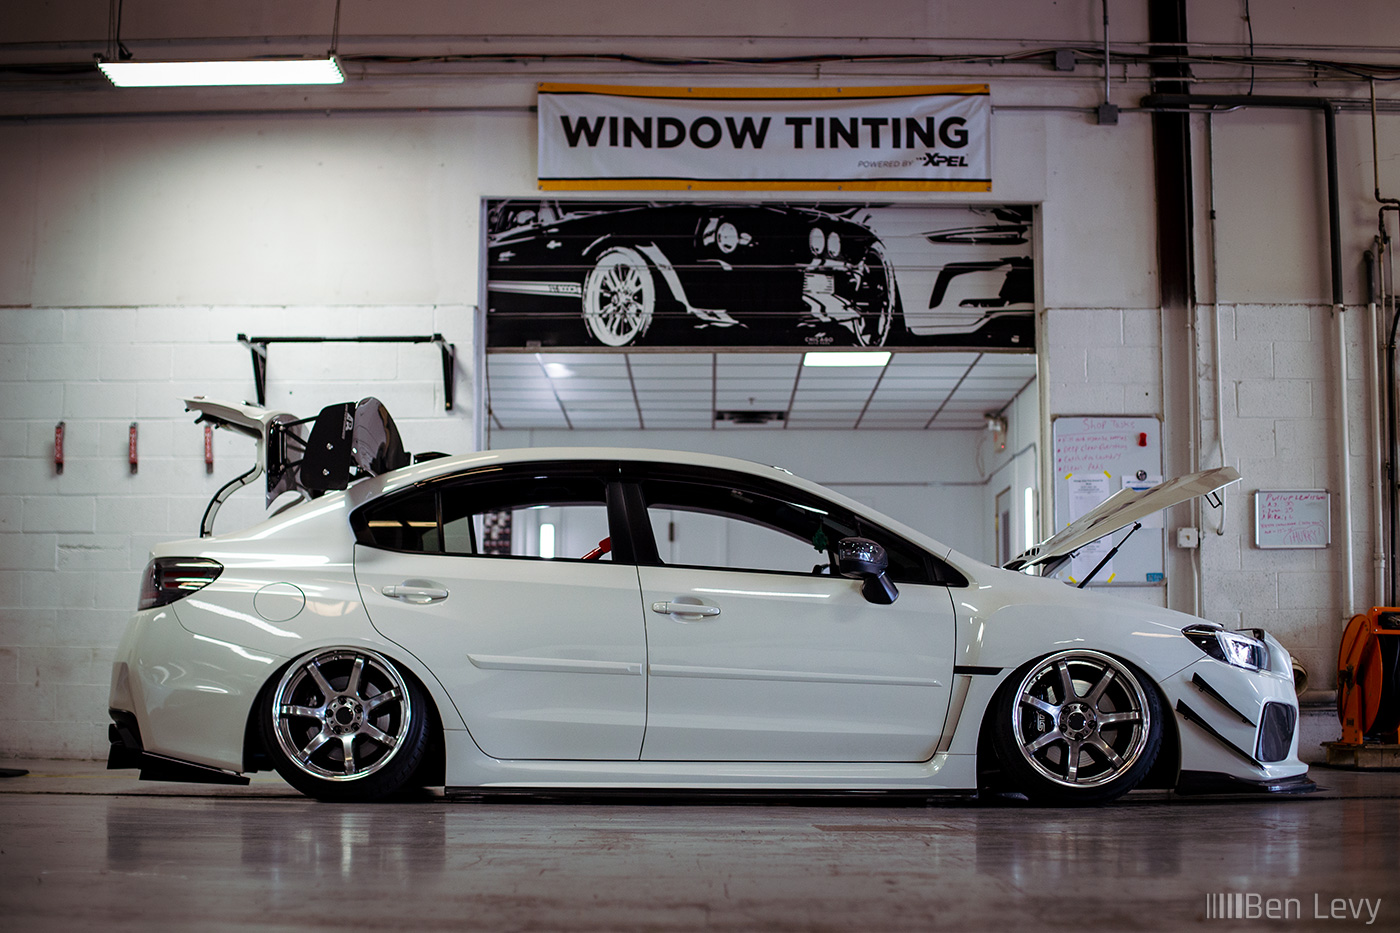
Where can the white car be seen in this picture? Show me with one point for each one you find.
(610, 618)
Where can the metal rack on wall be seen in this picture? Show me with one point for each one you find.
(258, 347)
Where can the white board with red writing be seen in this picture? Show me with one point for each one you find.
(1094, 457)
(1292, 518)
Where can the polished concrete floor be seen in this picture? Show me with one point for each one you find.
(82, 848)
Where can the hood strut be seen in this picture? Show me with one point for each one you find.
(1107, 557)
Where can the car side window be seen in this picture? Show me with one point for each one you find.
(402, 523)
(735, 525)
(556, 518)
(525, 516)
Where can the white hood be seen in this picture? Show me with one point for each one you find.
(1122, 509)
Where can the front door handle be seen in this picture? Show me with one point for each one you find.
(420, 595)
(684, 609)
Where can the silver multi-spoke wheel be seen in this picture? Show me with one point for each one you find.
(1080, 724)
(346, 716)
(619, 297)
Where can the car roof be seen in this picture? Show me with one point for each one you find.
(446, 465)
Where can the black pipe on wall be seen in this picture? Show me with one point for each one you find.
(1203, 102)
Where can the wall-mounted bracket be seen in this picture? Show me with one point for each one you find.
(258, 347)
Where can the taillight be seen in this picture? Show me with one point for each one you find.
(170, 578)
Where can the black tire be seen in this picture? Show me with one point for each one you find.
(345, 724)
(1077, 727)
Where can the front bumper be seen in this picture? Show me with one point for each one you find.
(1238, 728)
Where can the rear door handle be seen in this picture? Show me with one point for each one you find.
(420, 595)
(684, 609)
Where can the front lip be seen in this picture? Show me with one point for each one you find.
(1192, 783)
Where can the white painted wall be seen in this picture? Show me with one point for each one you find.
(135, 248)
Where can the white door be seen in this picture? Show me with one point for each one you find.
(765, 656)
(543, 657)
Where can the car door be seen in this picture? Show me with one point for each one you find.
(756, 652)
(484, 579)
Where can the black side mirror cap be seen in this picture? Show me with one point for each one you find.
(863, 559)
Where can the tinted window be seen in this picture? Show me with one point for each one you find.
(734, 522)
(522, 515)
(527, 516)
(403, 523)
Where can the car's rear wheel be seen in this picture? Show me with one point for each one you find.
(346, 724)
(619, 297)
(1077, 727)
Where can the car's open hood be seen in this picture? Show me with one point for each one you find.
(1120, 510)
(308, 456)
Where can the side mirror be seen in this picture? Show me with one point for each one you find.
(863, 559)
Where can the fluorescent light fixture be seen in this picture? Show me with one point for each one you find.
(845, 358)
(547, 541)
(1029, 518)
(222, 74)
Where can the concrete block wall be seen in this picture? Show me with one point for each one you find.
(1281, 404)
(1105, 361)
(72, 544)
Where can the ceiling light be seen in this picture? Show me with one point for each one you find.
(557, 371)
(222, 74)
(846, 358)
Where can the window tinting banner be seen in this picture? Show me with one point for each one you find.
(924, 138)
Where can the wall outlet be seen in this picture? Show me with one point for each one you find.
(1188, 538)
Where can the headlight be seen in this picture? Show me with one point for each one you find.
(170, 578)
(833, 244)
(1233, 648)
(816, 240)
(727, 237)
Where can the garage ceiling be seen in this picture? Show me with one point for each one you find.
(669, 391)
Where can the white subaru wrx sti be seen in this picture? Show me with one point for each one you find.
(610, 618)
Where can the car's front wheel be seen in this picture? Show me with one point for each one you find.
(619, 297)
(1077, 727)
(345, 724)
(878, 301)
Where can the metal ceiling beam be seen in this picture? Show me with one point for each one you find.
(550, 379)
(627, 361)
(954, 391)
(871, 397)
(792, 399)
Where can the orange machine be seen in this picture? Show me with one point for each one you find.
(1368, 679)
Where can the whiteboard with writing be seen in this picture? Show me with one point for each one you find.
(1094, 457)
(1292, 518)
